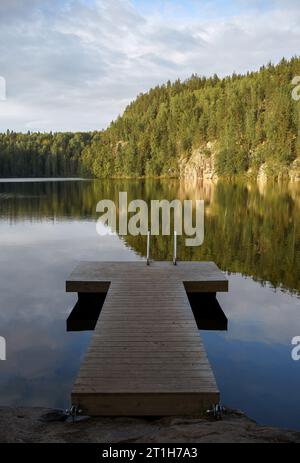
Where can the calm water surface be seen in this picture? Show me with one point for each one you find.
(252, 233)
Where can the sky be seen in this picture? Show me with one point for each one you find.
(75, 65)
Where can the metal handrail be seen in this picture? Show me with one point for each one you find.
(175, 249)
(148, 248)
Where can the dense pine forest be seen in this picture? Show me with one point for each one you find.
(252, 120)
(43, 154)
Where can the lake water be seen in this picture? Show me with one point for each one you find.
(251, 232)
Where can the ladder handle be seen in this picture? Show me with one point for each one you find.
(175, 249)
(148, 248)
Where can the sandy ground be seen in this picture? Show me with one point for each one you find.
(43, 425)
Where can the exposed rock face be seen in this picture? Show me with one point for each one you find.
(34, 425)
(295, 171)
(200, 164)
(262, 175)
(267, 172)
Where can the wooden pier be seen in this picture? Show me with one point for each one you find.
(146, 356)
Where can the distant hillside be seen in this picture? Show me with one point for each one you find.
(203, 126)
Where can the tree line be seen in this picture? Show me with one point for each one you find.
(252, 118)
(42, 154)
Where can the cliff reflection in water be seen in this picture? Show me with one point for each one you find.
(249, 229)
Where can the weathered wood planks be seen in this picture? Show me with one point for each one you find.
(146, 356)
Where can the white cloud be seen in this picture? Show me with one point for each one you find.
(259, 313)
(74, 65)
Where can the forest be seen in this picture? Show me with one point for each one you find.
(252, 119)
(43, 154)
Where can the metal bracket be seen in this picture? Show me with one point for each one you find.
(74, 411)
(216, 411)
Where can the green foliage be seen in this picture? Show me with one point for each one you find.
(252, 117)
(42, 154)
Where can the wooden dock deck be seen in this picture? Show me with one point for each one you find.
(146, 356)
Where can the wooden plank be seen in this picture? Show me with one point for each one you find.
(145, 404)
(197, 276)
(146, 356)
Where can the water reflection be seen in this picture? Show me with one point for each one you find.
(251, 232)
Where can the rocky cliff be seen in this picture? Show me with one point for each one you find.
(201, 163)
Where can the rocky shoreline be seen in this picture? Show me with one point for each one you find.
(40, 425)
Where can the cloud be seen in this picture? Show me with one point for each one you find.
(76, 64)
(258, 313)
